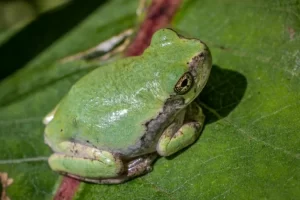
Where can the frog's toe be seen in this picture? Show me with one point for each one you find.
(141, 165)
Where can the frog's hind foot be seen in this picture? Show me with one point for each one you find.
(141, 165)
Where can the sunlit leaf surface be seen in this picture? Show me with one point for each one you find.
(249, 148)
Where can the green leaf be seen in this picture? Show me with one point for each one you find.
(249, 148)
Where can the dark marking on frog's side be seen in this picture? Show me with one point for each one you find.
(155, 126)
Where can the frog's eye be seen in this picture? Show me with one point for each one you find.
(184, 84)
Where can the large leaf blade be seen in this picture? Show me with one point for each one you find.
(249, 148)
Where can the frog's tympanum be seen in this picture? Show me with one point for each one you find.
(115, 120)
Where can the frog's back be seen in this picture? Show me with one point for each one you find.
(109, 107)
(124, 106)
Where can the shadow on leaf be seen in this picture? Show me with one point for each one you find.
(222, 93)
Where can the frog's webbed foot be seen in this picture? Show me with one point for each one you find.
(175, 138)
(141, 165)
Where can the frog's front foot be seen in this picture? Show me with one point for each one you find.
(174, 139)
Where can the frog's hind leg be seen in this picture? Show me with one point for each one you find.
(83, 161)
(175, 138)
(93, 165)
(136, 167)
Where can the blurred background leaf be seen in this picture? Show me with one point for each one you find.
(249, 148)
(15, 14)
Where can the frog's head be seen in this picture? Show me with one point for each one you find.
(189, 63)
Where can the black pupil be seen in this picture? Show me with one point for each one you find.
(184, 83)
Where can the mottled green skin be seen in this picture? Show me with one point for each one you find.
(109, 108)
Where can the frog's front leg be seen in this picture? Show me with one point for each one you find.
(82, 161)
(174, 139)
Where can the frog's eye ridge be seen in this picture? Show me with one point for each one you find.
(184, 84)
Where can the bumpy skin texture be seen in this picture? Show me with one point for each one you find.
(114, 120)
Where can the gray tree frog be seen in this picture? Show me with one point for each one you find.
(115, 120)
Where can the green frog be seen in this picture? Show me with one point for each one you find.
(118, 118)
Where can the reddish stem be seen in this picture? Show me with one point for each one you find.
(160, 14)
(67, 188)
